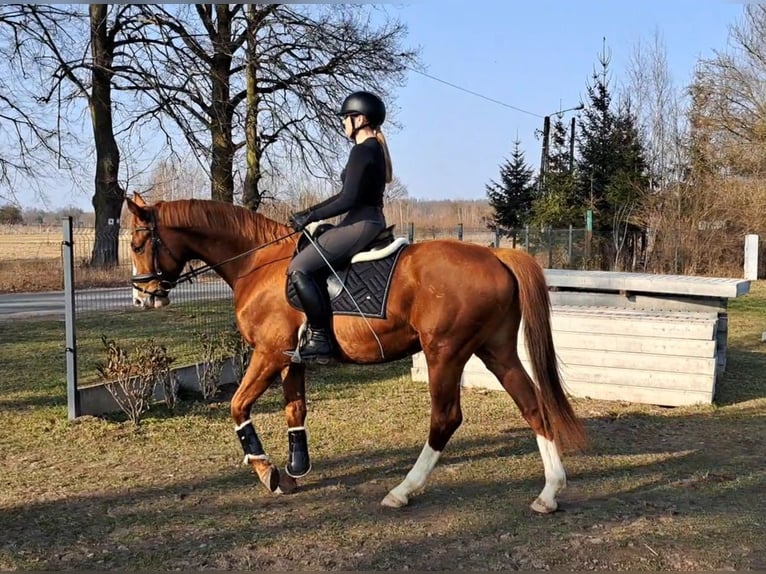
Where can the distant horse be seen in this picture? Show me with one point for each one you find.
(448, 298)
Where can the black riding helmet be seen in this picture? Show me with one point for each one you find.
(366, 104)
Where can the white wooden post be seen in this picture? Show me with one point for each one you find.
(751, 257)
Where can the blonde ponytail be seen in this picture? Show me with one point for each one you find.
(389, 167)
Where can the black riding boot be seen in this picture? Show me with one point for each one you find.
(320, 346)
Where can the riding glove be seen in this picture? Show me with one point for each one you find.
(301, 219)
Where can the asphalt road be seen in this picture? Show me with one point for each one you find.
(51, 303)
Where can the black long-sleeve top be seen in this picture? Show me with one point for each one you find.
(364, 181)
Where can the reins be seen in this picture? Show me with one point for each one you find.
(194, 272)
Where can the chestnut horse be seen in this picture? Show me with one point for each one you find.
(448, 298)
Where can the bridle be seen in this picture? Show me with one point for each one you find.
(156, 274)
(165, 283)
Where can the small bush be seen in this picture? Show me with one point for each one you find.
(133, 377)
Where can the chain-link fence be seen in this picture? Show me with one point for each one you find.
(553, 248)
(32, 260)
(198, 322)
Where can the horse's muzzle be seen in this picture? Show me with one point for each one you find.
(149, 298)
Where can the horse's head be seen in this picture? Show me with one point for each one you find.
(154, 252)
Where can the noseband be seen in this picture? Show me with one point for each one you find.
(156, 274)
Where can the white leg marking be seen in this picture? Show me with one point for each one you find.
(415, 479)
(555, 477)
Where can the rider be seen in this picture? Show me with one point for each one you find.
(364, 179)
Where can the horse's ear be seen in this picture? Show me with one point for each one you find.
(138, 207)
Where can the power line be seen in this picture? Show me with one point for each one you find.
(461, 88)
(477, 94)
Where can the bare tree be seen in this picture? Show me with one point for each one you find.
(736, 97)
(657, 103)
(288, 68)
(30, 137)
(73, 53)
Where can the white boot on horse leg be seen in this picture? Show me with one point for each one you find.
(555, 477)
(415, 479)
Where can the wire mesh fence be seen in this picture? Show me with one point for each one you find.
(203, 311)
(106, 309)
(553, 248)
(103, 303)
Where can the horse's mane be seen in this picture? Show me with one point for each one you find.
(206, 213)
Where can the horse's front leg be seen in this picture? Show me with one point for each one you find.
(294, 388)
(262, 370)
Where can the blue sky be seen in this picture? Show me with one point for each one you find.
(537, 55)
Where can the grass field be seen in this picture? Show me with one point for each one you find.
(658, 489)
(32, 262)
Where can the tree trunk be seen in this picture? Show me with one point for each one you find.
(108, 195)
(251, 195)
(222, 163)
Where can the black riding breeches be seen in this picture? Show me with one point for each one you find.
(338, 245)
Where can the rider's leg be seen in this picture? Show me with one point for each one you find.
(308, 271)
(316, 304)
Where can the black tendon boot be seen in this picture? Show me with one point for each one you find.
(319, 346)
(299, 463)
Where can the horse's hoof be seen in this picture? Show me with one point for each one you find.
(287, 485)
(543, 508)
(393, 501)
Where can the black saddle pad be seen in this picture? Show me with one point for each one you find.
(366, 284)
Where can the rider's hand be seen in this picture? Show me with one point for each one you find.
(300, 220)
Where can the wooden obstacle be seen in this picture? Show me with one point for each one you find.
(655, 339)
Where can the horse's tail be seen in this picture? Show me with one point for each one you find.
(558, 415)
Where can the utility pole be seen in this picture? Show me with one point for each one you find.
(571, 146)
(546, 143)
(544, 155)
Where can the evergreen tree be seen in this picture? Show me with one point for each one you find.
(512, 198)
(595, 147)
(612, 176)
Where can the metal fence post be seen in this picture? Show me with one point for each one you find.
(550, 247)
(497, 237)
(570, 245)
(460, 232)
(67, 245)
(411, 232)
(526, 238)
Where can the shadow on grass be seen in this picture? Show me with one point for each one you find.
(743, 380)
(462, 520)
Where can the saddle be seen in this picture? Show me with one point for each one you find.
(364, 281)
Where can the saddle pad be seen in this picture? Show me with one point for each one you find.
(368, 283)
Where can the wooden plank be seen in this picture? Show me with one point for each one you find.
(613, 392)
(611, 376)
(637, 301)
(634, 314)
(632, 343)
(639, 394)
(634, 361)
(626, 326)
(648, 283)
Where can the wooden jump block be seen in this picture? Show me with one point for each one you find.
(638, 337)
(655, 357)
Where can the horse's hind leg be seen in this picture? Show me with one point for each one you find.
(446, 416)
(503, 361)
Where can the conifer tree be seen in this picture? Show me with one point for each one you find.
(511, 198)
